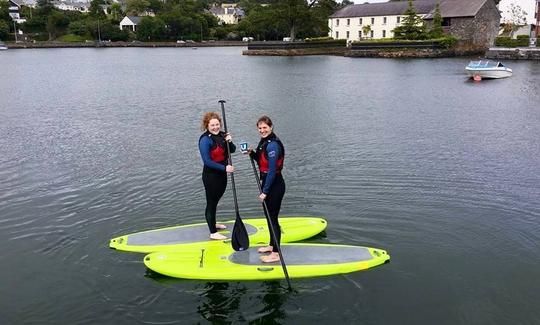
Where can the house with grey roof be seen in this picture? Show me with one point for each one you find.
(227, 13)
(14, 8)
(474, 22)
(130, 22)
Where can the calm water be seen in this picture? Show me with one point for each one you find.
(405, 155)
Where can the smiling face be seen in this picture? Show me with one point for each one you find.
(264, 129)
(214, 126)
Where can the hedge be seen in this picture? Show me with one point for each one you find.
(505, 41)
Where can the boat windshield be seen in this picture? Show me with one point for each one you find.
(485, 64)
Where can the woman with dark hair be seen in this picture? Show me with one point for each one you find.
(270, 154)
(213, 149)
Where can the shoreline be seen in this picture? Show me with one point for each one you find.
(53, 44)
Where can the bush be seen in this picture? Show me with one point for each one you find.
(447, 42)
(504, 41)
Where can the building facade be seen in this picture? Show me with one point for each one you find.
(537, 18)
(227, 13)
(475, 22)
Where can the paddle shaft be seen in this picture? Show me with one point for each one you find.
(272, 231)
(229, 159)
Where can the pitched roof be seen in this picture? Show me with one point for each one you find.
(227, 11)
(449, 8)
(135, 19)
(18, 3)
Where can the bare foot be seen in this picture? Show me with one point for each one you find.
(274, 257)
(265, 249)
(220, 226)
(217, 236)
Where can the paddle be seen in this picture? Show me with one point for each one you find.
(272, 232)
(239, 237)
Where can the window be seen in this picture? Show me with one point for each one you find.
(359, 34)
(360, 21)
(348, 21)
(383, 33)
(372, 21)
(347, 34)
(446, 22)
(337, 35)
(384, 20)
(337, 22)
(398, 19)
(371, 34)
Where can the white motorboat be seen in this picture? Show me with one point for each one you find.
(488, 69)
(3, 46)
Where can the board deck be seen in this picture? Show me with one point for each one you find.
(181, 237)
(302, 260)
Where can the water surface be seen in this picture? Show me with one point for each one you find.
(405, 155)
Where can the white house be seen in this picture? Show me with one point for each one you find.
(130, 22)
(473, 21)
(228, 13)
(14, 7)
(72, 6)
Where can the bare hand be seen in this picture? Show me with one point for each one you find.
(262, 197)
(228, 137)
(247, 151)
(229, 169)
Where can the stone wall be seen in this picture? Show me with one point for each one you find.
(478, 33)
(513, 53)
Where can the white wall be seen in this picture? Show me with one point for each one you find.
(354, 27)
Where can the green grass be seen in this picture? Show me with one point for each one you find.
(72, 38)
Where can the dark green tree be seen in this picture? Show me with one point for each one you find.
(4, 29)
(437, 30)
(56, 22)
(413, 27)
(137, 7)
(150, 29)
(96, 9)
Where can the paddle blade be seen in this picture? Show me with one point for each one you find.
(239, 238)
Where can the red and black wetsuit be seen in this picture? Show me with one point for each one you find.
(213, 151)
(270, 156)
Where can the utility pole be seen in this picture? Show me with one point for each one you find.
(98, 31)
(15, 30)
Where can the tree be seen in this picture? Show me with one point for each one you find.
(55, 22)
(518, 18)
(4, 29)
(437, 30)
(116, 11)
(136, 7)
(96, 9)
(413, 27)
(293, 13)
(365, 30)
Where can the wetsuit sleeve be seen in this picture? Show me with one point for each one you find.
(253, 155)
(274, 152)
(205, 144)
(232, 147)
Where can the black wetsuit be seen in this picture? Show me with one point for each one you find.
(213, 151)
(270, 155)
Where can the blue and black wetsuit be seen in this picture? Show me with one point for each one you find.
(270, 155)
(214, 155)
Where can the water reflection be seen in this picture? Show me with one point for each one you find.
(272, 300)
(250, 302)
